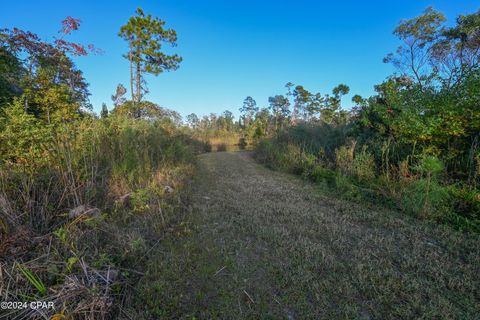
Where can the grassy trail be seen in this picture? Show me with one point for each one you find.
(259, 244)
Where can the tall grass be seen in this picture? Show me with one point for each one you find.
(80, 210)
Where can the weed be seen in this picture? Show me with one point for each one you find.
(34, 280)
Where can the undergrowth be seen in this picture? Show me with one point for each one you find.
(352, 172)
(81, 205)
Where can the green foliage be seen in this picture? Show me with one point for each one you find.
(319, 174)
(279, 106)
(24, 140)
(466, 199)
(61, 234)
(363, 166)
(71, 261)
(140, 200)
(352, 174)
(427, 199)
(34, 280)
(53, 88)
(418, 35)
(88, 159)
(133, 171)
(344, 159)
(11, 72)
(145, 35)
(430, 166)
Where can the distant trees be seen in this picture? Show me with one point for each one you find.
(256, 123)
(193, 120)
(315, 107)
(145, 36)
(215, 126)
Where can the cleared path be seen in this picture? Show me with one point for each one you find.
(260, 244)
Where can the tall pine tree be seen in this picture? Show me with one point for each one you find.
(145, 36)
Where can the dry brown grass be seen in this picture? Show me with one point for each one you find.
(263, 244)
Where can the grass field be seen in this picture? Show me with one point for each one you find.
(259, 244)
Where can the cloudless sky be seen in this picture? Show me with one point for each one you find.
(232, 49)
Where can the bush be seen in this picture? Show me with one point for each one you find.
(427, 199)
(429, 166)
(318, 173)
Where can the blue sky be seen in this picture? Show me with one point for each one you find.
(232, 49)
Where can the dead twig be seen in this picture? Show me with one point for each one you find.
(250, 298)
(219, 271)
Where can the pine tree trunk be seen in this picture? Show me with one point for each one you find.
(139, 83)
(130, 57)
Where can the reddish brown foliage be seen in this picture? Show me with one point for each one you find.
(70, 24)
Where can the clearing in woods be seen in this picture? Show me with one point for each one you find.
(263, 244)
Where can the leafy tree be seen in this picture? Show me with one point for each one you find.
(359, 102)
(145, 35)
(49, 80)
(456, 53)
(57, 104)
(412, 58)
(289, 87)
